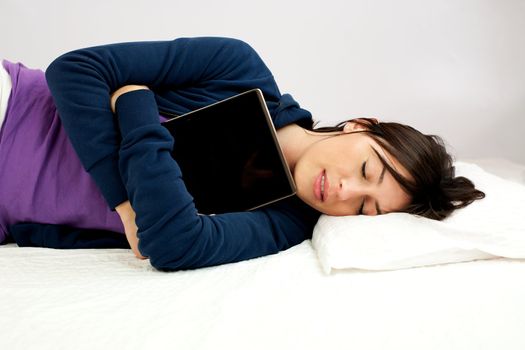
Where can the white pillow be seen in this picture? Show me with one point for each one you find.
(487, 228)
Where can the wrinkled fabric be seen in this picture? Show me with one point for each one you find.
(41, 177)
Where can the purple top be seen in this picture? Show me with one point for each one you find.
(42, 179)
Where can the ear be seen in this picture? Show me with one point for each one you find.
(352, 126)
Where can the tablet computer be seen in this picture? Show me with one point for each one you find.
(229, 155)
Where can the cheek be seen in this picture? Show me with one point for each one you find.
(302, 175)
(312, 161)
(307, 167)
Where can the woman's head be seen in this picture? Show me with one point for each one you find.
(367, 167)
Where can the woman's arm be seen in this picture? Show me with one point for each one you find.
(125, 211)
(170, 231)
(82, 81)
(123, 90)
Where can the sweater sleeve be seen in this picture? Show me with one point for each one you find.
(82, 81)
(171, 232)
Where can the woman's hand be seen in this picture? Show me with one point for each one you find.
(123, 90)
(127, 216)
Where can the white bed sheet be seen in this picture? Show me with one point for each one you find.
(107, 299)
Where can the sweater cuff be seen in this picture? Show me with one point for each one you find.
(111, 184)
(135, 109)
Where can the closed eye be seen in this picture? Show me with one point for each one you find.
(361, 208)
(363, 169)
(363, 172)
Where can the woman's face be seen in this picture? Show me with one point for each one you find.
(342, 175)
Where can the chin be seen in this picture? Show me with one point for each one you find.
(307, 200)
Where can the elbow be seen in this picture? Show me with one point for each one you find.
(158, 263)
(165, 259)
(57, 70)
(163, 268)
(60, 69)
(56, 66)
(160, 259)
(189, 248)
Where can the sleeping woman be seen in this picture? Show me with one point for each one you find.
(85, 159)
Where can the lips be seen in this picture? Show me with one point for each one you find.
(321, 186)
(324, 186)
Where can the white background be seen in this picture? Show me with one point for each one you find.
(452, 67)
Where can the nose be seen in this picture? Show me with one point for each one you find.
(352, 189)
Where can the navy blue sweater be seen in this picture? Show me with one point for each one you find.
(130, 157)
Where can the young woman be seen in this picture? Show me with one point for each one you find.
(108, 99)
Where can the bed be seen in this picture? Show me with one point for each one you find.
(107, 299)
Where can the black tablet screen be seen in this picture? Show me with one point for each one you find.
(229, 156)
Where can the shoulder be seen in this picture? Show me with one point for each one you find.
(219, 45)
(228, 59)
(232, 43)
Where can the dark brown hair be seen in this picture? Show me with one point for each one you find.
(435, 190)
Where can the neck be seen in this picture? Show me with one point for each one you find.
(294, 141)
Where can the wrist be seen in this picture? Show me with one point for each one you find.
(136, 109)
(121, 91)
(125, 211)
